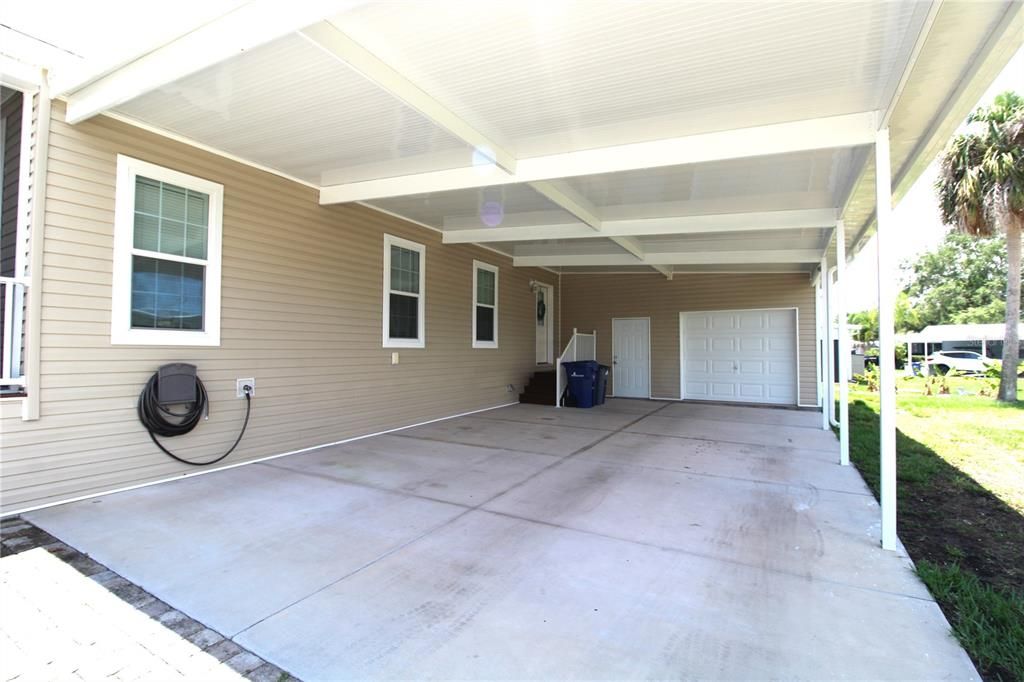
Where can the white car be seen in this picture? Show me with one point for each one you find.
(965, 361)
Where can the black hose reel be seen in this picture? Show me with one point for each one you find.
(173, 385)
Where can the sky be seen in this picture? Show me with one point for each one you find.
(919, 228)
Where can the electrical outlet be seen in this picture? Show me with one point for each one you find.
(240, 385)
(394, 358)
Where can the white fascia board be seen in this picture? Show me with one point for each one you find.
(829, 132)
(19, 75)
(665, 258)
(815, 218)
(332, 40)
(249, 26)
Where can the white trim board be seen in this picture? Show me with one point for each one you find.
(251, 461)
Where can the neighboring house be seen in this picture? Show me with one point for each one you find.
(986, 339)
(364, 214)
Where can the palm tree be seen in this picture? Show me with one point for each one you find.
(981, 192)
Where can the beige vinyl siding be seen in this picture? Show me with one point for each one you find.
(591, 301)
(301, 312)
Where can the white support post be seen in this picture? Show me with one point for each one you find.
(820, 317)
(844, 346)
(829, 352)
(886, 338)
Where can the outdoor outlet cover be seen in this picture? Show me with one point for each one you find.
(394, 358)
(240, 385)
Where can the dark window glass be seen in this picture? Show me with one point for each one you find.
(167, 294)
(404, 317)
(484, 323)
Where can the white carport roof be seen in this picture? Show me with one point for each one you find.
(579, 136)
(937, 333)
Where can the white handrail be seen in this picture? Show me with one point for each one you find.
(13, 306)
(580, 347)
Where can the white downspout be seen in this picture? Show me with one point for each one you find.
(830, 394)
(886, 338)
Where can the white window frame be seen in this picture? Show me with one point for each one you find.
(421, 337)
(121, 331)
(477, 267)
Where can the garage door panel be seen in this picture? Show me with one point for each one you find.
(723, 391)
(780, 319)
(780, 344)
(754, 367)
(752, 391)
(723, 343)
(781, 392)
(744, 356)
(752, 344)
(752, 321)
(723, 322)
(694, 367)
(697, 345)
(722, 366)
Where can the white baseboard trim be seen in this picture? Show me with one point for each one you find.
(177, 477)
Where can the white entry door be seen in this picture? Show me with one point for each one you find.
(631, 357)
(545, 327)
(740, 356)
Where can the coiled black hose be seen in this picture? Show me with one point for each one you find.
(161, 421)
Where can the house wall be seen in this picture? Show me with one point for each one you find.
(301, 312)
(590, 301)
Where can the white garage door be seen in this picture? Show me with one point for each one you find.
(739, 355)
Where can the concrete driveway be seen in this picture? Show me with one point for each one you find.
(635, 540)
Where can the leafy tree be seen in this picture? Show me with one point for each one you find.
(867, 320)
(981, 193)
(906, 320)
(963, 280)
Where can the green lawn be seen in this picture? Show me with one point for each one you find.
(960, 469)
(978, 436)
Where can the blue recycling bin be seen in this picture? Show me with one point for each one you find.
(582, 375)
(601, 384)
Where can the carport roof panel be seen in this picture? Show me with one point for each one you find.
(257, 106)
(546, 77)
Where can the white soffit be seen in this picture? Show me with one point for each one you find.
(550, 76)
(290, 106)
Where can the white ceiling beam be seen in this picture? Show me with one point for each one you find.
(251, 25)
(571, 201)
(562, 194)
(673, 258)
(337, 44)
(758, 221)
(818, 133)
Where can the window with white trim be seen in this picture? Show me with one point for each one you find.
(404, 293)
(167, 249)
(485, 305)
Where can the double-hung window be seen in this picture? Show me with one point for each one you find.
(485, 305)
(167, 246)
(404, 295)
